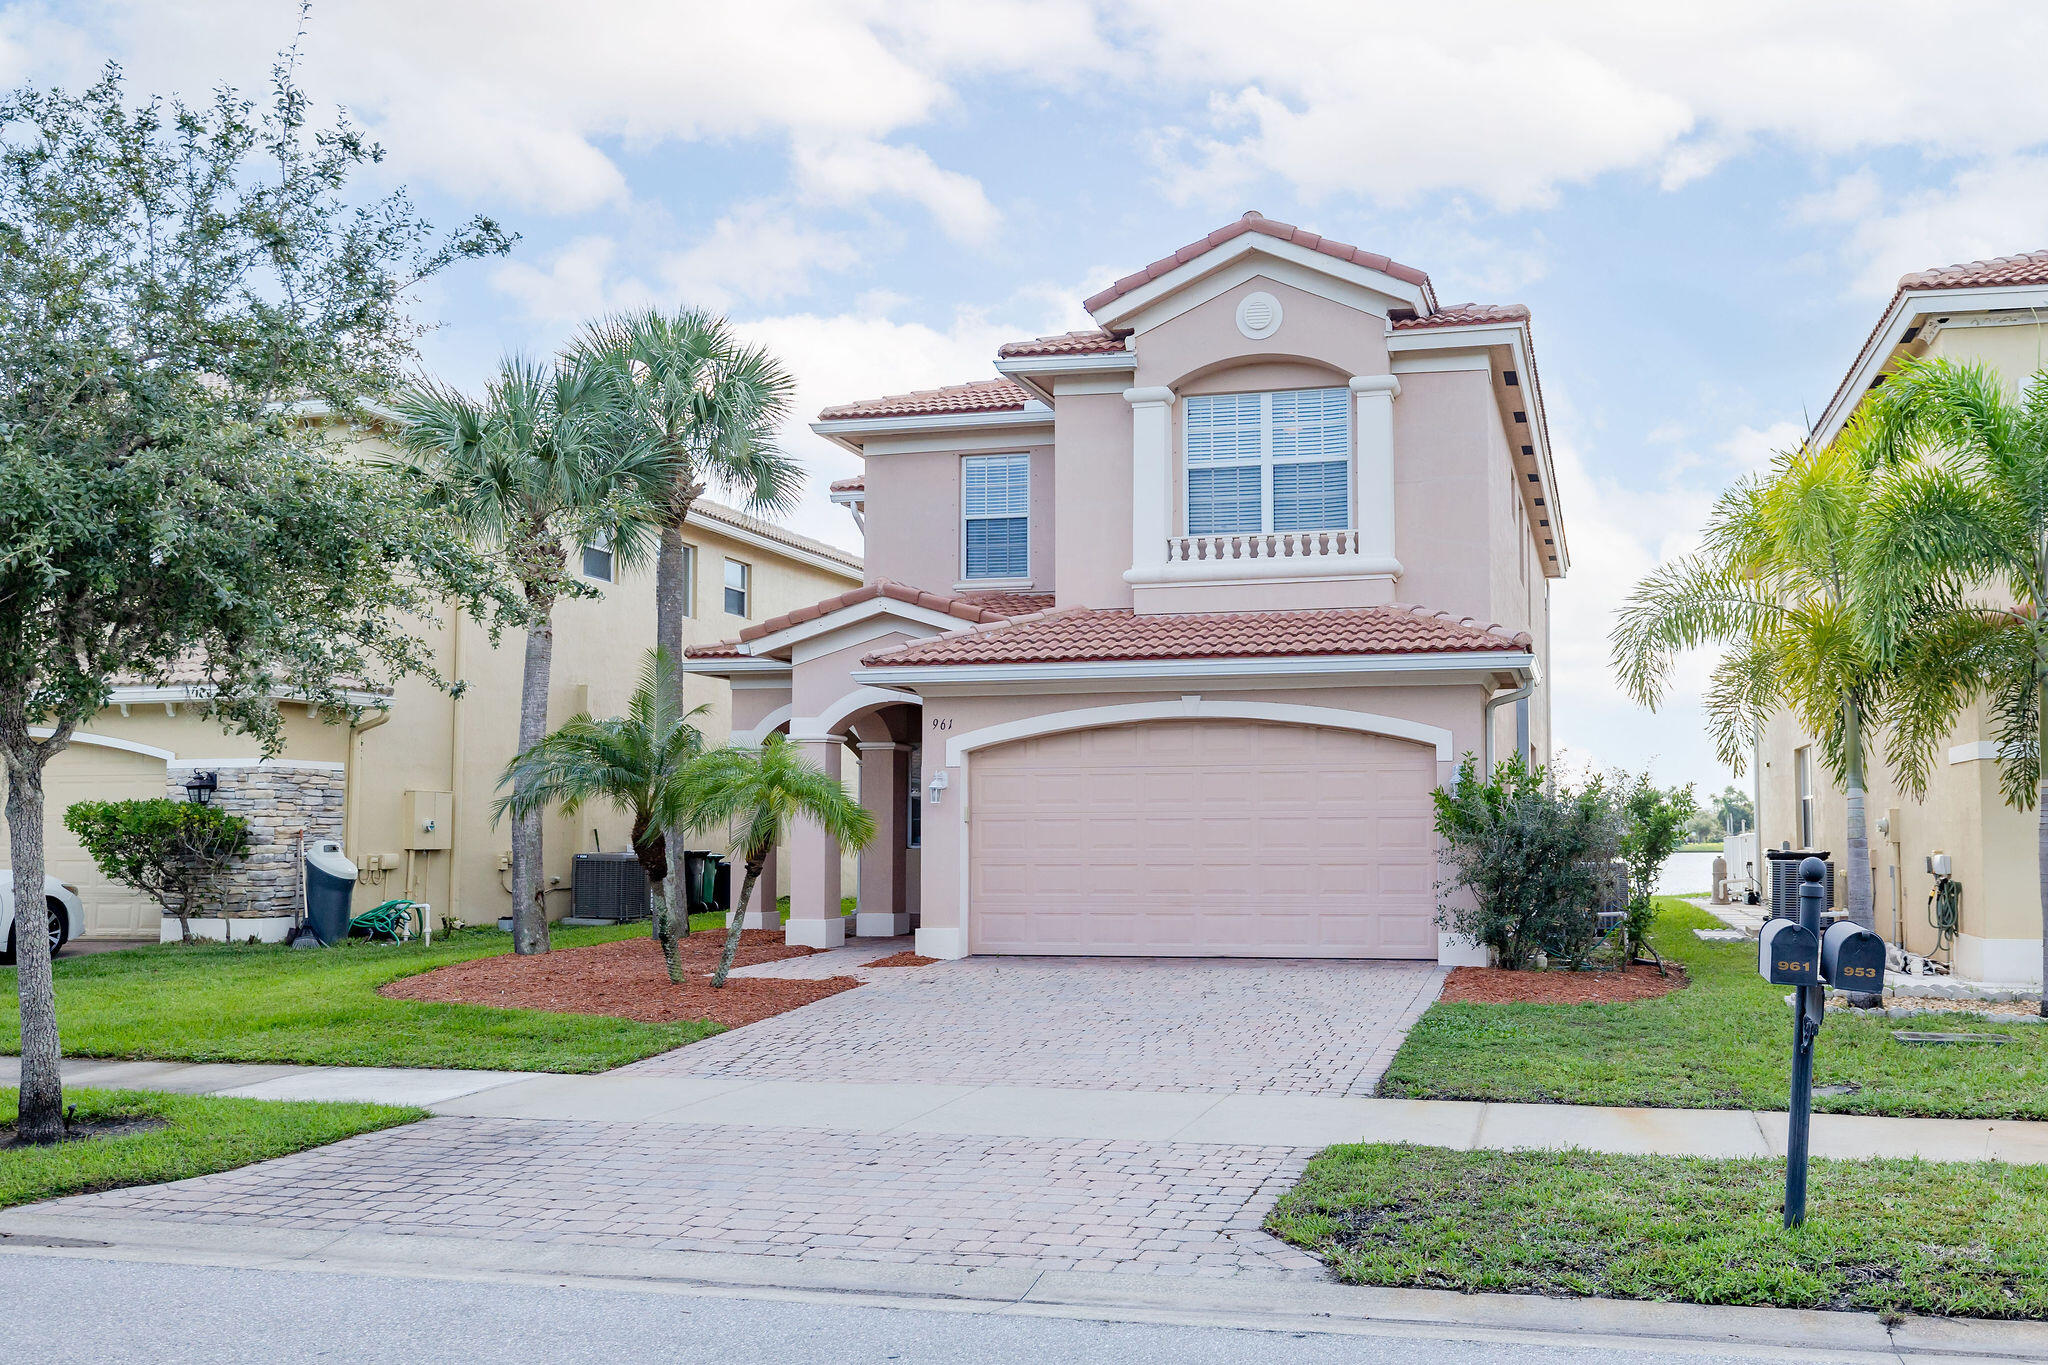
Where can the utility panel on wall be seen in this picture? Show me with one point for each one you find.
(427, 819)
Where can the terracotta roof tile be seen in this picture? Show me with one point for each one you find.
(1095, 341)
(1269, 227)
(724, 649)
(1010, 603)
(730, 516)
(857, 484)
(2029, 267)
(1090, 635)
(980, 395)
(1458, 315)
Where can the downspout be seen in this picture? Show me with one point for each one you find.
(1493, 704)
(351, 816)
(457, 753)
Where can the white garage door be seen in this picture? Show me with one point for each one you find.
(93, 772)
(1203, 838)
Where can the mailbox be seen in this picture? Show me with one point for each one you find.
(1852, 959)
(1787, 955)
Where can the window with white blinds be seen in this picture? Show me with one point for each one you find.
(1268, 461)
(995, 506)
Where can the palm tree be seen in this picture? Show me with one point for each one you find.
(540, 458)
(1773, 588)
(1956, 563)
(758, 794)
(711, 404)
(635, 763)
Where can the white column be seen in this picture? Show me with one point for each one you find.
(883, 911)
(1151, 481)
(1372, 465)
(815, 917)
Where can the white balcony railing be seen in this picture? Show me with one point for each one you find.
(1296, 545)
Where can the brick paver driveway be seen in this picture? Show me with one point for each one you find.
(1190, 1024)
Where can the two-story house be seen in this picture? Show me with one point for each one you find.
(1169, 631)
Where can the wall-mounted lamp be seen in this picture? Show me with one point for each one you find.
(938, 787)
(200, 787)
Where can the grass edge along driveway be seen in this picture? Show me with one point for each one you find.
(215, 1002)
(1883, 1236)
(1724, 1042)
(202, 1135)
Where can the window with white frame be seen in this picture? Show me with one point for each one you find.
(597, 558)
(689, 580)
(1802, 766)
(995, 510)
(738, 581)
(1268, 461)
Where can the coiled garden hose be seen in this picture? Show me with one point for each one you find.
(1945, 913)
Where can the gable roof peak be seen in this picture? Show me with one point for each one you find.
(1252, 221)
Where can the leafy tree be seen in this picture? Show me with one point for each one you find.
(711, 404)
(1733, 811)
(176, 283)
(1653, 824)
(635, 763)
(540, 460)
(759, 794)
(1702, 829)
(1535, 856)
(174, 852)
(1955, 565)
(1774, 589)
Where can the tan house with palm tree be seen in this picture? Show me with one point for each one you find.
(408, 789)
(1992, 313)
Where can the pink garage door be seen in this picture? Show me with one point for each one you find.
(1203, 838)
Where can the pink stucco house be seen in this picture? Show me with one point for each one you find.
(1169, 631)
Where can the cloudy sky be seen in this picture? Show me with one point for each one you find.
(1705, 205)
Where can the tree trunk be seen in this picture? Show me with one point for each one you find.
(529, 908)
(1862, 909)
(732, 934)
(2041, 825)
(677, 911)
(42, 1083)
(671, 610)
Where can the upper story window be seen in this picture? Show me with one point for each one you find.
(739, 582)
(597, 558)
(689, 580)
(995, 507)
(1269, 461)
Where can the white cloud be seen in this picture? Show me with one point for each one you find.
(853, 171)
(1992, 208)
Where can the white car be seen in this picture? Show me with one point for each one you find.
(67, 912)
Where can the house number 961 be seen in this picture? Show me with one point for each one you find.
(942, 722)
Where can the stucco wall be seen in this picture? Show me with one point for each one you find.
(913, 512)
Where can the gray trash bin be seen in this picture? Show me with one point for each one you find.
(330, 891)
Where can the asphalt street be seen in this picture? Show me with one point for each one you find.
(83, 1309)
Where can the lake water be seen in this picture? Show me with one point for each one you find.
(1686, 874)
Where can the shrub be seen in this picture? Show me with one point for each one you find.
(1653, 825)
(1535, 856)
(174, 852)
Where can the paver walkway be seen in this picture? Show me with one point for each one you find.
(1211, 1025)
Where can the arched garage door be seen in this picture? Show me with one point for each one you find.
(1203, 838)
(95, 772)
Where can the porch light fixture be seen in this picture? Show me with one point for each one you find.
(938, 787)
(200, 787)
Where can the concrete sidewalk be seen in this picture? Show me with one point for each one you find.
(1277, 1120)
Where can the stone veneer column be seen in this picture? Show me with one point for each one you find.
(1373, 466)
(1151, 481)
(815, 917)
(278, 798)
(884, 909)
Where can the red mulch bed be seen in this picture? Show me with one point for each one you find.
(629, 979)
(1493, 986)
(905, 959)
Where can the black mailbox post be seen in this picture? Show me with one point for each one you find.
(1794, 953)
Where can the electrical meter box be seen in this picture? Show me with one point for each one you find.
(1852, 959)
(427, 819)
(1787, 954)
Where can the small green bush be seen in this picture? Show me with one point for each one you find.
(174, 852)
(1534, 854)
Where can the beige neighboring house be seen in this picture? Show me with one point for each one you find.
(419, 756)
(1172, 627)
(1992, 313)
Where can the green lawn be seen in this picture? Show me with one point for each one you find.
(217, 1002)
(1713, 846)
(202, 1135)
(1896, 1236)
(1725, 1042)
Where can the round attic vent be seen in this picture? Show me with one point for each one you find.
(1258, 316)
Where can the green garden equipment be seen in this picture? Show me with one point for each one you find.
(394, 919)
